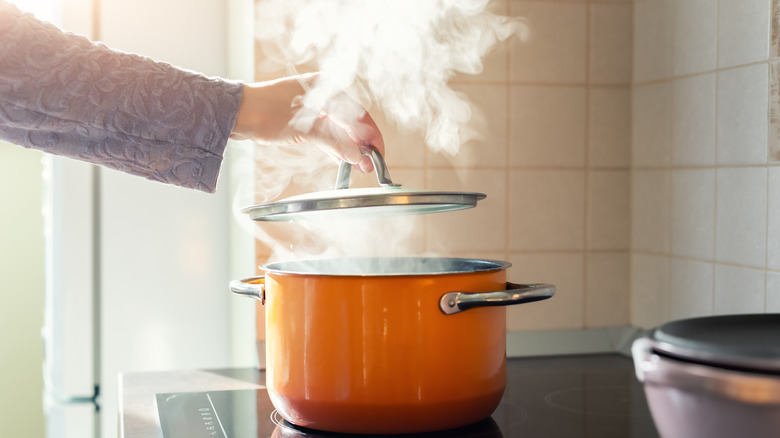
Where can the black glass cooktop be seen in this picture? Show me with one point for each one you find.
(565, 396)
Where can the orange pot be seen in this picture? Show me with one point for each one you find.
(385, 346)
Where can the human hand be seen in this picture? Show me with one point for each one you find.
(271, 112)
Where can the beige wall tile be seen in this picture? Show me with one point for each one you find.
(774, 37)
(690, 289)
(608, 296)
(609, 210)
(741, 216)
(695, 36)
(773, 228)
(742, 115)
(651, 125)
(739, 290)
(773, 292)
(649, 290)
(546, 210)
(556, 51)
(547, 126)
(693, 213)
(743, 31)
(478, 229)
(774, 112)
(610, 43)
(488, 124)
(652, 40)
(693, 120)
(562, 311)
(609, 127)
(650, 206)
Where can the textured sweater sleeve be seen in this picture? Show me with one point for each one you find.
(65, 95)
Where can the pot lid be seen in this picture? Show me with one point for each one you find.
(388, 199)
(746, 342)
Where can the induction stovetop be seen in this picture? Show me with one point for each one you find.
(564, 396)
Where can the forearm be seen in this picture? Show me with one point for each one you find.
(63, 94)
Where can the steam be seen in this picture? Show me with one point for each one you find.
(396, 56)
(267, 173)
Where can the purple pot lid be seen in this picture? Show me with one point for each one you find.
(742, 342)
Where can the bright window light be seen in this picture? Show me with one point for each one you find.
(43, 9)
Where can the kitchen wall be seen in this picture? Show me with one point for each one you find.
(554, 118)
(705, 176)
(567, 161)
(630, 155)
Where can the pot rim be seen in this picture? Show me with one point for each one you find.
(384, 266)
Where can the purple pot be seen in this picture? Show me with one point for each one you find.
(713, 377)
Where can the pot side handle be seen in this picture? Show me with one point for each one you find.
(253, 287)
(456, 302)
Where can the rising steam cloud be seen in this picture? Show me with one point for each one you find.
(395, 54)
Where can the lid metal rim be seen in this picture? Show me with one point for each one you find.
(721, 359)
(448, 201)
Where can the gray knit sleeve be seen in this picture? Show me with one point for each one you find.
(63, 94)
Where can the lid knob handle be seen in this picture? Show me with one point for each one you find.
(382, 175)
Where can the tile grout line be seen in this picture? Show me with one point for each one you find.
(768, 122)
(534, 168)
(699, 260)
(508, 144)
(715, 184)
(581, 251)
(524, 83)
(766, 237)
(706, 167)
(631, 173)
(669, 161)
(770, 44)
(717, 69)
(774, 26)
(577, 2)
(586, 188)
